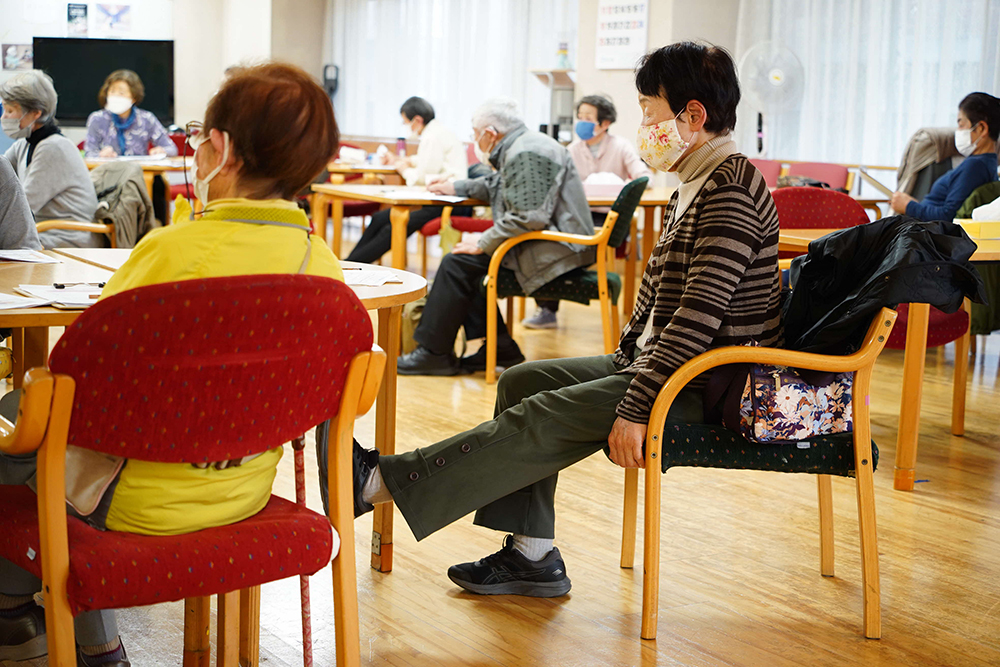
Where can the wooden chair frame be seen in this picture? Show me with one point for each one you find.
(609, 314)
(77, 226)
(43, 426)
(861, 363)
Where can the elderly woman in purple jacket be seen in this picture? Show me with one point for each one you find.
(121, 127)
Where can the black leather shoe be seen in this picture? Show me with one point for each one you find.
(509, 572)
(424, 362)
(23, 637)
(365, 461)
(90, 661)
(507, 357)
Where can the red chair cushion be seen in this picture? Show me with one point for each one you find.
(816, 208)
(108, 570)
(769, 169)
(432, 228)
(354, 208)
(461, 224)
(941, 329)
(834, 175)
(181, 189)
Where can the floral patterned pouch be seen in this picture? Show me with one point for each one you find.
(779, 406)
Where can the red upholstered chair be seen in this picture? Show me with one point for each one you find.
(769, 169)
(458, 223)
(192, 372)
(816, 208)
(836, 176)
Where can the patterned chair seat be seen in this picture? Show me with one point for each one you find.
(579, 285)
(105, 566)
(942, 328)
(710, 446)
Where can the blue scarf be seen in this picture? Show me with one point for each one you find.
(121, 126)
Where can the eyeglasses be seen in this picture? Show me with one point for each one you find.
(196, 134)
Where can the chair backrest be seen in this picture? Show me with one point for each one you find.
(210, 370)
(834, 175)
(624, 206)
(179, 138)
(800, 208)
(769, 169)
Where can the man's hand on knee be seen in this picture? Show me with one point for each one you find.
(626, 441)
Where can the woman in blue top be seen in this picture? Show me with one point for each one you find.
(976, 139)
(121, 127)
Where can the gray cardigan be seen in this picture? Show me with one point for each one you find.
(58, 187)
(17, 227)
(536, 187)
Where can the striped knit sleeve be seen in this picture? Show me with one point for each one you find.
(728, 234)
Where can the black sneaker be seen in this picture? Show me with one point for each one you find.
(424, 362)
(365, 461)
(508, 572)
(22, 637)
(506, 357)
(116, 658)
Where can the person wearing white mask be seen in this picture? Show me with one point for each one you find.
(53, 175)
(711, 281)
(976, 139)
(121, 127)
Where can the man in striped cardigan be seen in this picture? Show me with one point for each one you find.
(711, 281)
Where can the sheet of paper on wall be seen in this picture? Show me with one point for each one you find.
(31, 256)
(369, 277)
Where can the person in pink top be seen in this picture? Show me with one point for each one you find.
(594, 151)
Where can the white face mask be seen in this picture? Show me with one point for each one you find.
(118, 104)
(201, 184)
(661, 146)
(12, 128)
(481, 155)
(963, 142)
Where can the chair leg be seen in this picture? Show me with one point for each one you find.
(520, 308)
(961, 378)
(510, 315)
(825, 525)
(422, 249)
(651, 554)
(250, 627)
(866, 505)
(197, 650)
(227, 641)
(631, 508)
(491, 331)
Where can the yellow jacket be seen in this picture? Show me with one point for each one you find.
(168, 498)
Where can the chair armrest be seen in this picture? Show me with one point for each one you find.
(373, 379)
(544, 235)
(874, 341)
(74, 225)
(33, 414)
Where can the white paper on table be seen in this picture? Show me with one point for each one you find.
(421, 195)
(31, 256)
(71, 296)
(12, 301)
(368, 277)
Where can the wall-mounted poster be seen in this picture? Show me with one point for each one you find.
(76, 19)
(17, 56)
(622, 30)
(115, 19)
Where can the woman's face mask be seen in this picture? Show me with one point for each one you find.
(661, 145)
(964, 143)
(585, 129)
(201, 191)
(11, 125)
(483, 154)
(118, 104)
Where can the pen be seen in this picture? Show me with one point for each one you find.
(65, 285)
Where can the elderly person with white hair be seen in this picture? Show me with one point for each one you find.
(535, 187)
(49, 166)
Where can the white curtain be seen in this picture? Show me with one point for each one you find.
(875, 71)
(454, 53)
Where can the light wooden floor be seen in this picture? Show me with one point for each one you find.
(739, 578)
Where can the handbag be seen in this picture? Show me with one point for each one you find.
(781, 405)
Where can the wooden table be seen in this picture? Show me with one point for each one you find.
(363, 168)
(651, 199)
(400, 199)
(872, 204)
(797, 240)
(97, 264)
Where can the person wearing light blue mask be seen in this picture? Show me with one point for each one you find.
(596, 150)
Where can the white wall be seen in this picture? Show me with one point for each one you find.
(298, 28)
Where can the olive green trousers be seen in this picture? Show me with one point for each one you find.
(549, 415)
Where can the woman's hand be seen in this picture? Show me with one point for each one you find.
(467, 248)
(626, 441)
(899, 201)
(157, 150)
(442, 188)
(108, 151)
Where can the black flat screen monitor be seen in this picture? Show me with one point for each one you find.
(78, 68)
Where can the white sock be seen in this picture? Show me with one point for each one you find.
(533, 548)
(374, 490)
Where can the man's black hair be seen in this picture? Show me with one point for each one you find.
(688, 71)
(605, 108)
(417, 106)
(979, 107)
